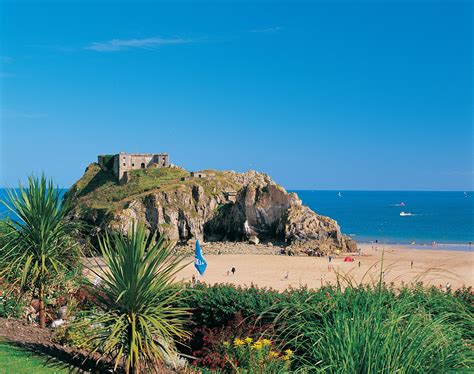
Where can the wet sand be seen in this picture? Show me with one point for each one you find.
(432, 267)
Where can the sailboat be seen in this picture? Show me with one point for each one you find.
(339, 194)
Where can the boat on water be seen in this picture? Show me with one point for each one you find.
(339, 194)
(404, 214)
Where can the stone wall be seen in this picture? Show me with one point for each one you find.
(124, 162)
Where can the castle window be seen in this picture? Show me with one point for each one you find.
(124, 164)
(133, 164)
(143, 165)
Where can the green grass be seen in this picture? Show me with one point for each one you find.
(17, 360)
(98, 189)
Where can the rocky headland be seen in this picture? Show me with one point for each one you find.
(212, 206)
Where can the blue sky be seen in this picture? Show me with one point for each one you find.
(320, 95)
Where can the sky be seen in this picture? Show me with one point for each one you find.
(372, 95)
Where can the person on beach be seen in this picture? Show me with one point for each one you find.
(411, 265)
(359, 263)
(448, 287)
(193, 280)
(232, 270)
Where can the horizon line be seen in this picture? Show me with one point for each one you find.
(320, 190)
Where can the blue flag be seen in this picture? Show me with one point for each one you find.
(199, 263)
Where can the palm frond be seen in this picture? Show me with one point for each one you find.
(138, 320)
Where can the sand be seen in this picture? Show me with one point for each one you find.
(432, 267)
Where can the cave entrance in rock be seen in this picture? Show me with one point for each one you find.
(143, 165)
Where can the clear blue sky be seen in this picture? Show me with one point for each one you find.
(320, 95)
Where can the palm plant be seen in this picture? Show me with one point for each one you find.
(37, 243)
(137, 320)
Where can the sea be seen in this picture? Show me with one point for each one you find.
(443, 220)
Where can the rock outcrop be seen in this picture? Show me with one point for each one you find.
(223, 206)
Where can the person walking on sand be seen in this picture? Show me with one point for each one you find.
(411, 265)
(232, 270)
(359, 263)
(448, 287)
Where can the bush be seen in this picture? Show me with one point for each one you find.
(247, 355)
(217, 306)
(208, 343)
(358, 329)
(77, 335)
(11, 307)
(380, 330)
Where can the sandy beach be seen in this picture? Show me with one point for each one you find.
(432, 267)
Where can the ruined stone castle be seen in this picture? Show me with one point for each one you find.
(122, 162)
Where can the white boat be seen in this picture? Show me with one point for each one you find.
(403, 214)
(339, 194)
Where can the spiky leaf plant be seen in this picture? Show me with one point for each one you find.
(37, 244)
(138, 321)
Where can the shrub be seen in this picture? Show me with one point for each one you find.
(378, 330)
(247, 355)
(137, 320)
(338, 330)
(77, 335)
(207, 343)
(10, 306)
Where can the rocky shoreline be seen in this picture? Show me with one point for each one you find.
(218, 206)
(226, 248)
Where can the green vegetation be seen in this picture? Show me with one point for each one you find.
(139, 318)
(364, 331)
(135, 319)
(38, 244)
(99, 189)
(356, 329)
(21, 361)
(247, 355)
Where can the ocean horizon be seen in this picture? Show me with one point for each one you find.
(398, 217)
(445, 218)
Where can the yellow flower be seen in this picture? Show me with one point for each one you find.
(266, 342)
(285, 358)
(273, 354)
(226, 344)
(238, 342)
(257, 345)
(248, 340)
(289, 352)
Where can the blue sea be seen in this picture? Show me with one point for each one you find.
(441, 217)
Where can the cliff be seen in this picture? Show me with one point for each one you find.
(217, 206)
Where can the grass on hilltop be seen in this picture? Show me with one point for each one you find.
(99, 189)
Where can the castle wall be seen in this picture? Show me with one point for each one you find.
(129, 161)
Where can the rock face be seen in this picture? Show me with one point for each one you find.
(223, 206)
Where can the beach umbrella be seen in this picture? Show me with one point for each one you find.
(199, 262)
